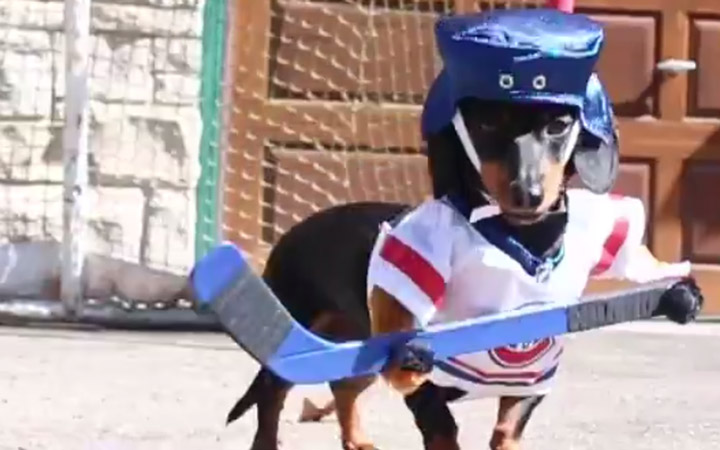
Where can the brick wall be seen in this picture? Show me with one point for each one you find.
(145, 125)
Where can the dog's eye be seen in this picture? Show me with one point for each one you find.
(558, 127)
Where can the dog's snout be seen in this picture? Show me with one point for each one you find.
(526, 195)
(527, 172)
(535, 195)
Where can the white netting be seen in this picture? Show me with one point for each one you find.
(322, 107)
(145, 59)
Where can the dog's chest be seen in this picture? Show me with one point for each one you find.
(487, 280)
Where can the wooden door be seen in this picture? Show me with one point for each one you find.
(326, 99)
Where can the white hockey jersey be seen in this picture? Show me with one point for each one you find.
(443, 268)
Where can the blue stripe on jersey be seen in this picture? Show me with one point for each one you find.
(463, 375)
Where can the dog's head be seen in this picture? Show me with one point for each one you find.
(517, 110)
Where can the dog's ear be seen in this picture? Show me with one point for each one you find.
(451, 172)
(444, 162)
(596, 162)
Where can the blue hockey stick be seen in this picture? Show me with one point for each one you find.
(254, 317)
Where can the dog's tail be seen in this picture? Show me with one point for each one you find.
(248, 400)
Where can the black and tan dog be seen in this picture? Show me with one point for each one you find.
(319, 267)
(511, 146)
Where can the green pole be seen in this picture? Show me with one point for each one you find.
(213, 59)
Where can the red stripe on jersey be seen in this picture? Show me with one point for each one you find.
(503, 374)
(415, 267)
(514, 357)
(612, 245)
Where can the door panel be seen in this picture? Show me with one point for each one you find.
(627, 62)
(704, 89)
(303, 182)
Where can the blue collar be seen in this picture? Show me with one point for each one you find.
(493, 229)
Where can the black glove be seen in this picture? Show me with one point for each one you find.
(682, 302)
(415, 356)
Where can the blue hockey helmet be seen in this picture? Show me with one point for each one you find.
(527, 55)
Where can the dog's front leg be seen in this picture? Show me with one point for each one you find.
(346, 394)
(387, 315)
(429, 407)
(427, 402)
(513, 415)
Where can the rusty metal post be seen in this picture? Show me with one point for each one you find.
(75, 151)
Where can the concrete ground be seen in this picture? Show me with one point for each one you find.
(644, 386)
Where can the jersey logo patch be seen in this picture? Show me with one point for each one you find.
(521, 355)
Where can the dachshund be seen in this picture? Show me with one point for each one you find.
(501, 231)
(318, 268)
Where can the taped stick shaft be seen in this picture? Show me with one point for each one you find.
(602, 310)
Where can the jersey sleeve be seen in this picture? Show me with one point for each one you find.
(624, 255)
(413, 260)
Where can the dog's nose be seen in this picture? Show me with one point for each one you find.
(527, 196)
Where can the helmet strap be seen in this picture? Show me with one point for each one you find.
(462, 132)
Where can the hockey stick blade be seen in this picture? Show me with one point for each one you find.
(254, 317)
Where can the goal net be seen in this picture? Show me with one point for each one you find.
(208, 120)
(144, 66)
(321, 107)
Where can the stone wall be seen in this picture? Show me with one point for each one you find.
(145, 125)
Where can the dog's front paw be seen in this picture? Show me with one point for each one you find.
(415, 356)
(405, 381)
(410, 366)
(682, 302)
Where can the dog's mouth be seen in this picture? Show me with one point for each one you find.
(525, 217)
(515, 217)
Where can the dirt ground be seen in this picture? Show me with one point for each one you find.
(643, 386)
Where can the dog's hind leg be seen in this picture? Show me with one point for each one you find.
(269, 407)
(268, 393)
(271, 395)
(346, 394)
(513, 415)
